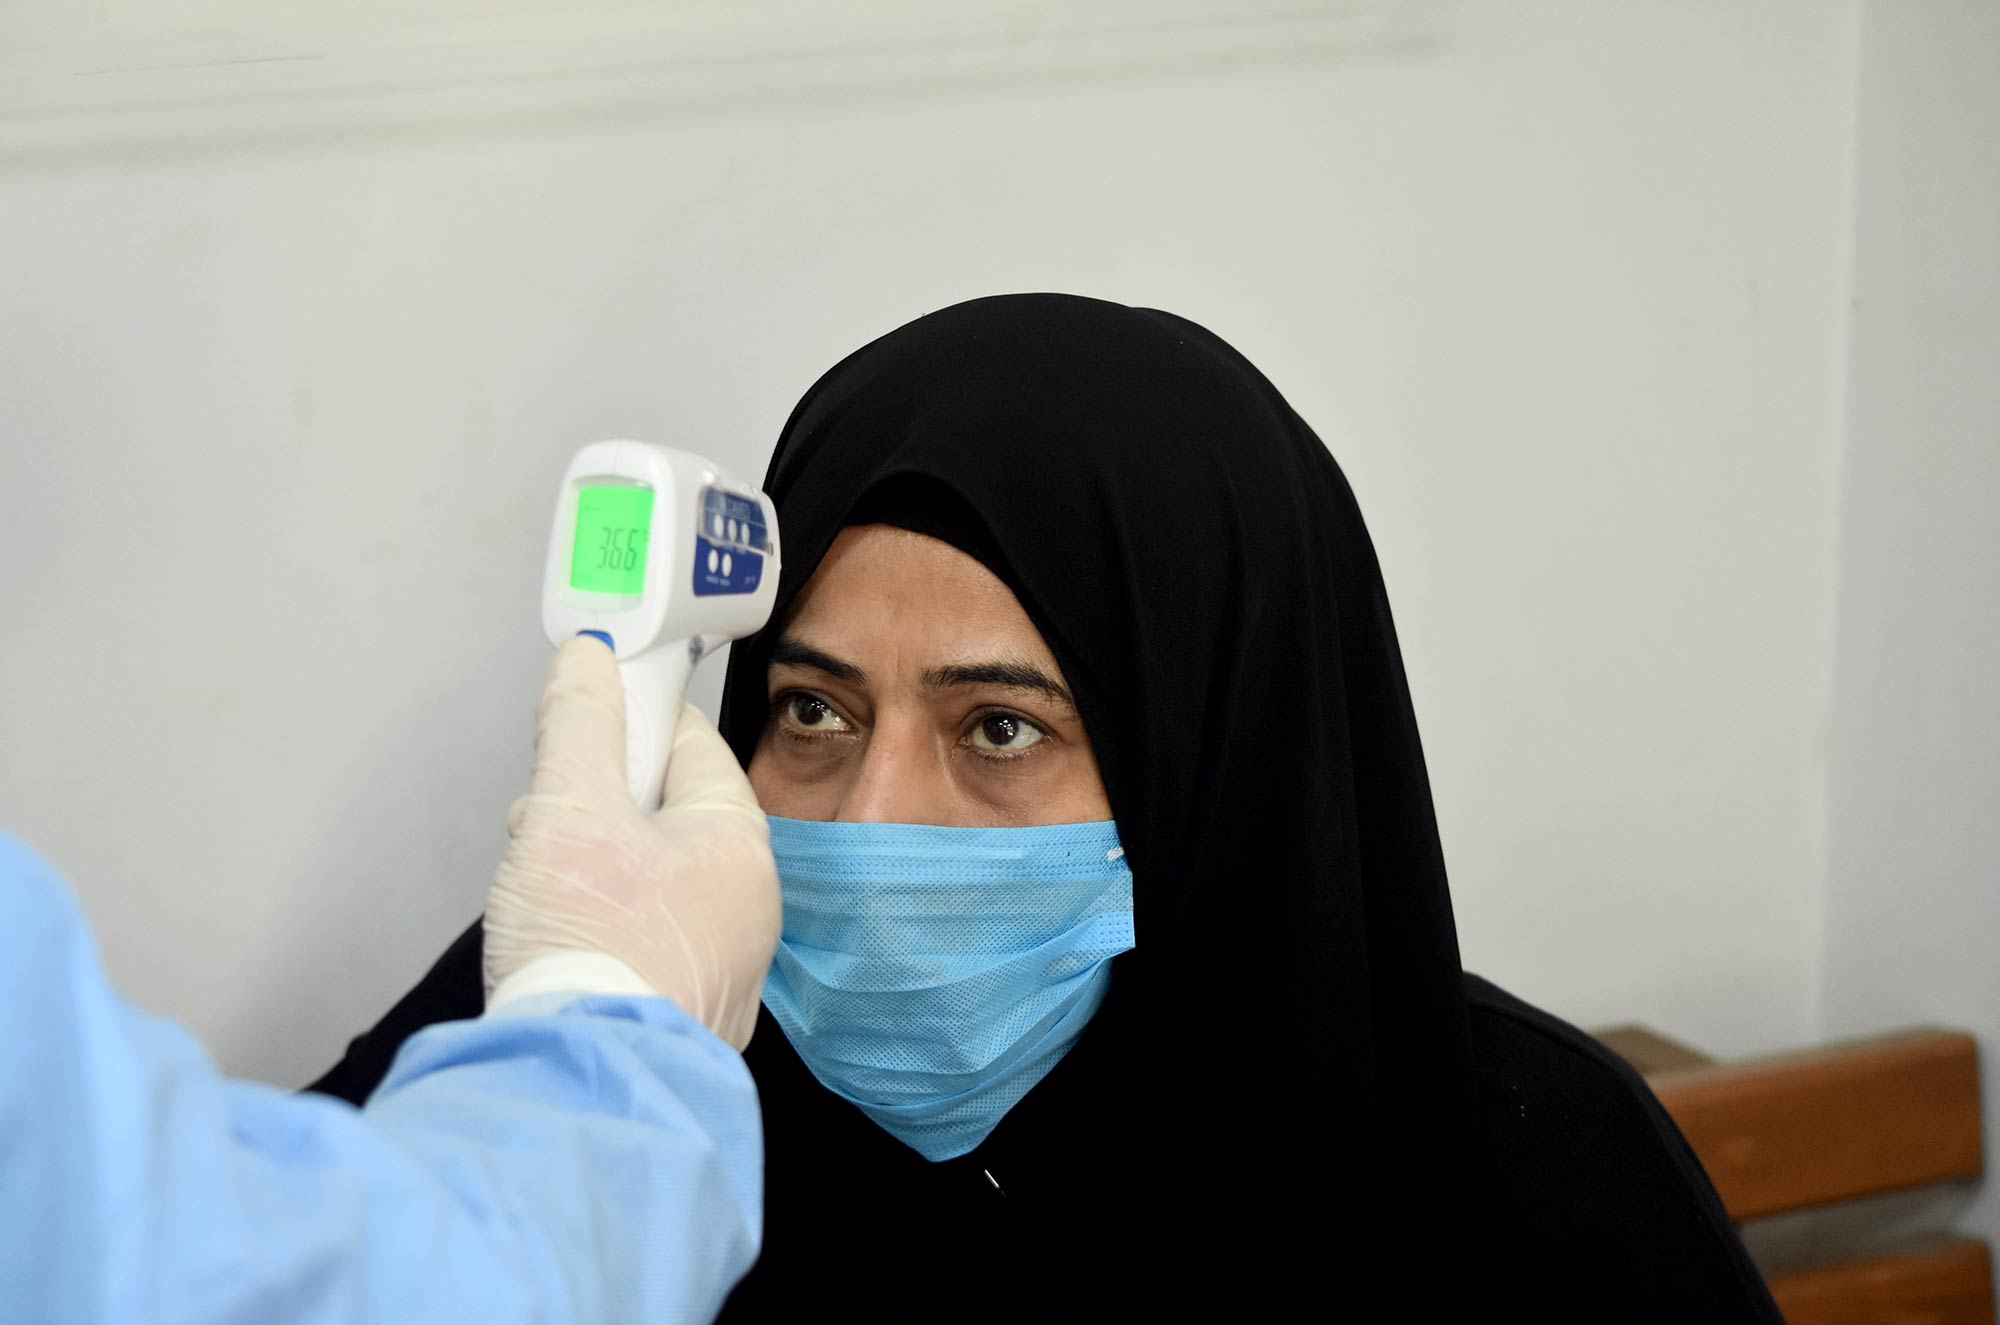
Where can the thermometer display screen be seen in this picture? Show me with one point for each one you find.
(613, 525)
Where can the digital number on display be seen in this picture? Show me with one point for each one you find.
(612, 527)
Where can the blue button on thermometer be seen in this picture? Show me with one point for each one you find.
(665, 557)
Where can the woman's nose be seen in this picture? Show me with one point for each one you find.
(900, 779)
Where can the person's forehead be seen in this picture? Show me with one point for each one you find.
(885, 591)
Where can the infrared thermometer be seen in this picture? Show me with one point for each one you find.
(665, 557)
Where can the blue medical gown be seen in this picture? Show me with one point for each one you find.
(599, 1161)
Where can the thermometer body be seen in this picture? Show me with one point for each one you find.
(666, 557)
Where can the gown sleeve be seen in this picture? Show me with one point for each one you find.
(592, 1159)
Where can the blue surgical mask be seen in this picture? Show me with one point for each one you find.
(932, 976)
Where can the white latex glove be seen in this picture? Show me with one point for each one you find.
(686, 897)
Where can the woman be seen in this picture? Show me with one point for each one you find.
(1052, 561)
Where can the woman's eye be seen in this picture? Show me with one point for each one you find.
(1005, 733)
(811, 713)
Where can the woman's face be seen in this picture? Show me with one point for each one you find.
(908, 686)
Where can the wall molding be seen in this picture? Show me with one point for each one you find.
(76, 84)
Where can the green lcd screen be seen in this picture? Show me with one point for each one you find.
(612, 528)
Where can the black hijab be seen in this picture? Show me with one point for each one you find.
(1282, 1102)
(1199, 568)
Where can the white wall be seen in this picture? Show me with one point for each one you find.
(304, 305)
(1913, 889)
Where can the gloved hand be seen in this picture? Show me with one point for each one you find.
(687, 897)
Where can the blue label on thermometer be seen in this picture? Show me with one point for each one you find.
(727, 518)
(725, 569)
(728, 552)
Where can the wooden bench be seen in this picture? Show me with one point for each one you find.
(1804, 1131)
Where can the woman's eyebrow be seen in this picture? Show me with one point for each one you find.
(790, 651)
(1013, 674)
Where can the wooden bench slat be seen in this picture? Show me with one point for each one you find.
(1650, 1051)
(1946, 1281)
(1795, 1130)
